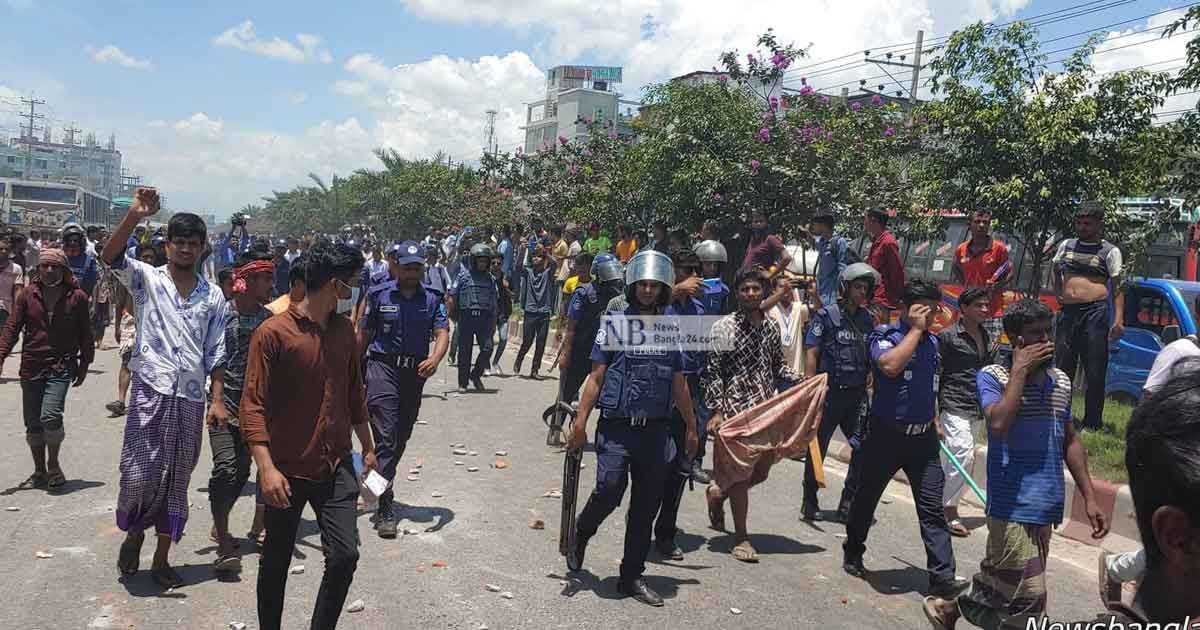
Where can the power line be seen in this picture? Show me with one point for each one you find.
(1136, 19)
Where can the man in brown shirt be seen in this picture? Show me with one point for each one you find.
(303, 394)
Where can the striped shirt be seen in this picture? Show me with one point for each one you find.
(1025, 466)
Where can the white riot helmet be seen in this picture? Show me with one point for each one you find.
(711, 251)
(857, 271)
(650, 265)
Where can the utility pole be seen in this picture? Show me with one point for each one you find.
(915, 67)
(490, 146)
(31, 129)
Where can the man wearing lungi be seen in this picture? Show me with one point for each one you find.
(180, 318)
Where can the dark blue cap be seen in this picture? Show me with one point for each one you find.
(408, 253)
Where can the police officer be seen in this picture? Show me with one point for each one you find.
(713, 259)
(837, 346)
(634, 388)
(402, 315)
(902, 435)
(587, 306)
(473, 302)
(682, 306)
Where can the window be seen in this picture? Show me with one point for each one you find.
(1148, 308)
(11, 159)
(62, 164)
(40, 164)
(44, 193)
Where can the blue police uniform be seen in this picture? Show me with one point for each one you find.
(665, 527)
(399, 329)
(632, 441)
(841, 339)
(901, 436)
(477, 301)
(586, 309)
(716, 298)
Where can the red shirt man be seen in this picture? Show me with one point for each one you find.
(884, 256)
(982, 261)
(764, 249)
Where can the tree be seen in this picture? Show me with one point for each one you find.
(1030, 144)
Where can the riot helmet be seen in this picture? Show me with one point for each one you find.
(650, 265)
(711, 251)
(857, 271)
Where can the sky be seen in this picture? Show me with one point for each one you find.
(220, 103)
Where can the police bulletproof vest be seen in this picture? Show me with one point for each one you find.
(589, 322)
(849, 350)
(1086, 259)
(638, 383)
(478, 292)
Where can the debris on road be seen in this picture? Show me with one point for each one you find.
(459, 451)
(845, 600)
(506, 595)
(501, 453)
(414, 471)
(495, 588)
(13, 508)
(553, 494)
(237, 625)
(422, 422)
(472, 469)
(44, 555)
(413, 478)
(537, 523)
(437, 495)
(499, 464)
(736, 611)
(356, 606)
(459, 462)
(438, 564)
(408, 531)
(473, 453)
(296, 570)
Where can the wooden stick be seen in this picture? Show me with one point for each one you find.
(818, 464)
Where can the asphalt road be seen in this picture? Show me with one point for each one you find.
(476, 534)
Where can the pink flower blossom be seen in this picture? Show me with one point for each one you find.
(716, 197)
(612, 134)
(825, 101)
(806, 90)
(562, 140)
(773, 103)
(877, 100)
(723, 78)
(780, 61)
(829, 135)
(889, 132)
(750, 59)
(573, 170)
(754, 166)
(856, 106)
(764, 134)
(803, 80)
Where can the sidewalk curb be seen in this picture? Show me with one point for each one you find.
(1114, 499)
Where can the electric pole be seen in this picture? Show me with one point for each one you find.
(915, 67)
(490, 146)
(30, 129)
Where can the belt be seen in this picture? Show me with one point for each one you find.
(633, 421)
(397, 360)
(905, 429)
(476, 312)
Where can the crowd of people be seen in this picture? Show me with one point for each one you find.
(287, 350)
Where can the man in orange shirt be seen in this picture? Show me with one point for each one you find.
(982, 261)
(627, 245)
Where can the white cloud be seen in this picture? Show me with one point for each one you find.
(112, 54)
(243, 37)
(295, 97)
(687, 35)
(1131, 48)
(440, 104)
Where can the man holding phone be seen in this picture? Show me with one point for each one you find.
(1027, 406)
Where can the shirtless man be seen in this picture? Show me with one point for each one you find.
(1086, 273)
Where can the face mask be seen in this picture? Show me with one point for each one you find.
(347, 304)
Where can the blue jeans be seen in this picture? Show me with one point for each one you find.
(43, 401)
(502, 330)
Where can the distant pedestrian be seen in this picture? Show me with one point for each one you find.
(884, 257)
(982, 262)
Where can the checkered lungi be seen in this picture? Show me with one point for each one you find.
(161, 447)
(1010, 588)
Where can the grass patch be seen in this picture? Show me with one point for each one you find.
(1106, 447)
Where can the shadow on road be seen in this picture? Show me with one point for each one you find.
(439, 516)
(899, 581)
(585, 580)
(765, 544)
(72, 485)
(142, 584)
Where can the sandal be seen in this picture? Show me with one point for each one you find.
(745, 552)
(55, 478)
(257, 537)
(35, 481)
(716, 513)
(958, 529)
(167, 577)
(116, 408)
(129, 557)
(932, 614)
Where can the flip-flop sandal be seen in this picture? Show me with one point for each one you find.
(958, 529)
(745, 552)
(932, 614)
(128, 559)
(35, 481)
(167, 578)
(716, 514)
(227, 564)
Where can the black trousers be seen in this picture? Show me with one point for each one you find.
(678, 473)
(623, 452)
(475, 327)
(575, 374)
(536, 327)
(1081, 334)
(230, 469)
(884, 452)
(393, 400)
(334, 501)
(843, 409)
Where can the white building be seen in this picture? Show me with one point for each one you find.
(86, 164)
(575, 95)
